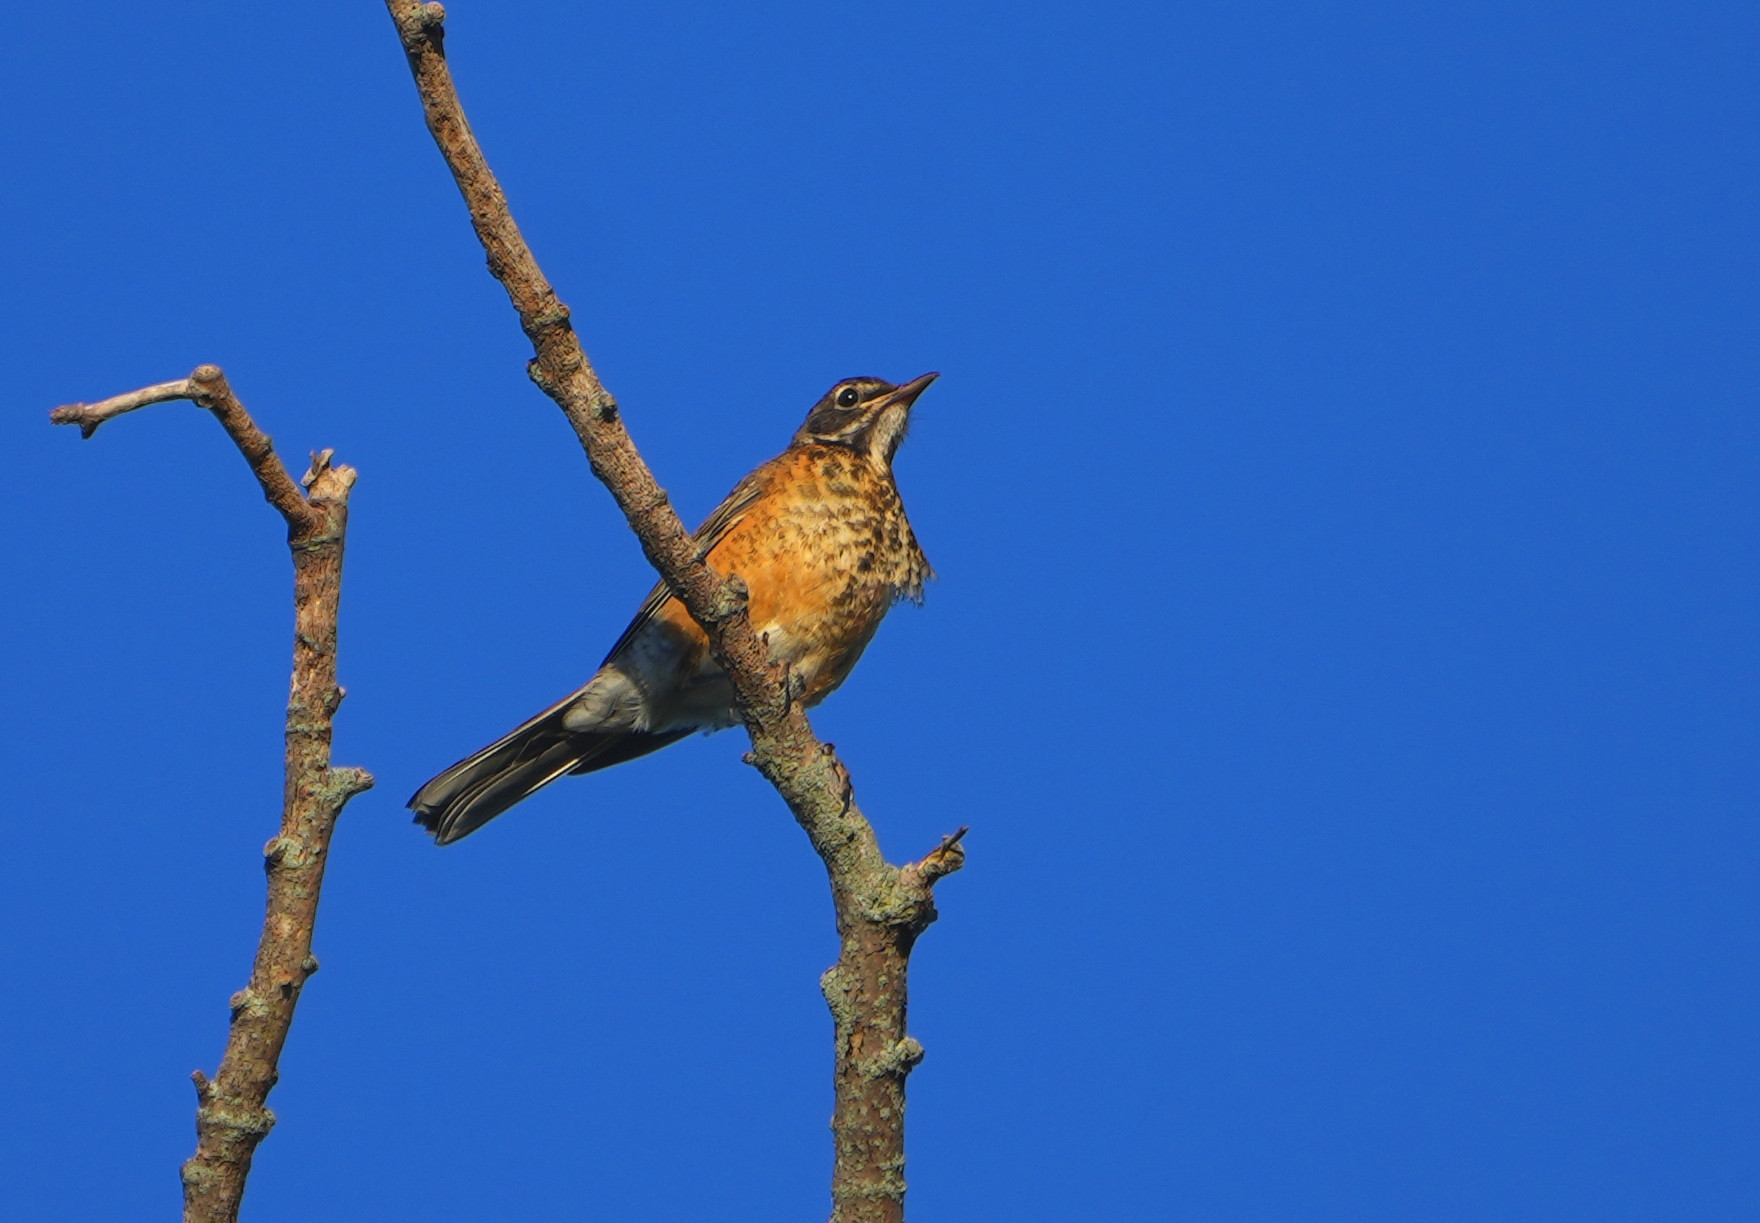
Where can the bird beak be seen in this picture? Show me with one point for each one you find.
(907, 394)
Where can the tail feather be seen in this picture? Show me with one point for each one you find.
(480, 787)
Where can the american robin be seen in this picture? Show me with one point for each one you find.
(819, 536)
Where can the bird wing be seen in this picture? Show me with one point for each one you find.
(541, 749)
(715, 527)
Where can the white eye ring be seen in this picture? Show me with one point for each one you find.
(846, 398)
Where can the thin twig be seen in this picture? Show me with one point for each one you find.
(88, 416)
(231, 1112)
(880, 908)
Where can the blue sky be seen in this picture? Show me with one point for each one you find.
(1341, 485)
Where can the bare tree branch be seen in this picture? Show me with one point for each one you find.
(88, 416)
(231, 1112)
(881, 909)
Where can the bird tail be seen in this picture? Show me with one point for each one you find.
(481, 786)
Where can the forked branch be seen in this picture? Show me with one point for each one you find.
(880, 908)
(231, 1113)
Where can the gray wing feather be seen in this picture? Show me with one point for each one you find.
(541, 749)
(715, 527)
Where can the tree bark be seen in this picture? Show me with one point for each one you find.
(232, 1116)
(881, 909)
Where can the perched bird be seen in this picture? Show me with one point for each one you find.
(819, 536)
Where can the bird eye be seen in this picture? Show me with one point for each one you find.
(846, 398)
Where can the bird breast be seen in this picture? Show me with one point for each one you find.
(824, 550)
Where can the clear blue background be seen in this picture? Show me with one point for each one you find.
(1342, 485)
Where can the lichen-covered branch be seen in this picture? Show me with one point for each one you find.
(881, 909)
(231, 1113)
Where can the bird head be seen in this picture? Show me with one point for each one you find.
(865, 414)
